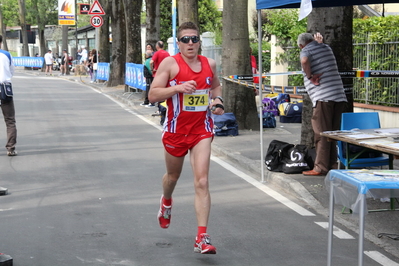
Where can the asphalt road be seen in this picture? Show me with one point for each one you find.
(85, 188)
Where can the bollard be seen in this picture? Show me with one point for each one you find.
(5, 260)
(3, 191)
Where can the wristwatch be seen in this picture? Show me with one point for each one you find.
(311, 76)
(219, 97)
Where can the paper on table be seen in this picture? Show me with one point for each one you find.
(336, 132)
(387, 173)
(364, 136)
(387, 130)
(379, 141)
(390, 145)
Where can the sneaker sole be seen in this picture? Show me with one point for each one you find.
(198, 250)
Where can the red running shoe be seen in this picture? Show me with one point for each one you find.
(203, 245)
(164, 214)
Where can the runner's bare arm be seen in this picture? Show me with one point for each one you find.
(167, 70)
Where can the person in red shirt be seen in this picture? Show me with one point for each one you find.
(191, 88)
(158, 57)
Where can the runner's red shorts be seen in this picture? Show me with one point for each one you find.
(179, 144)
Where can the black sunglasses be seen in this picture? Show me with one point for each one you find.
(186, 39)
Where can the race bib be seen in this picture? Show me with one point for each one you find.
(197, 101)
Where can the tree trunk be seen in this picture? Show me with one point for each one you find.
(22, 19)
(41, 23)
(153, 23)
(335, 24)
(188, 11)
(133, 27)
(104, 51)
(3, 30)
(239, 99)
(118, 58)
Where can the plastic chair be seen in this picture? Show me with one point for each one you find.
(363, 120)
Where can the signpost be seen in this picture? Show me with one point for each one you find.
(96, 21)
(84, 9)
(96, 9)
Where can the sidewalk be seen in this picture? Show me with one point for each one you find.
(243, 151)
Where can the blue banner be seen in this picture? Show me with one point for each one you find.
(27, 61)
(103, 71)
(134, 76)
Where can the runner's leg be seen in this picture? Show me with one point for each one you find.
(200, 160)
(174, 167)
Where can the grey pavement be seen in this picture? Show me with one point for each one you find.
(243, 151)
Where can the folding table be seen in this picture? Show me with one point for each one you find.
(350, 189)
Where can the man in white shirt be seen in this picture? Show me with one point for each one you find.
(48, 57)
(83, 54)
(7, 105)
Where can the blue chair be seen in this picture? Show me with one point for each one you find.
(364, 120)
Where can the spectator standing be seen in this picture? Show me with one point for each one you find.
(49, 59)
(89, 64)
(156, 60)
(254, 67)
(150, 48)
(83, 55)
(148, 78)
(64, 63)
(158, 57)
(7, 106)
(78, 55)
(188, 125)
(326, 91)
(94, 65)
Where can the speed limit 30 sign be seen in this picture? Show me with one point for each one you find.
(96, 21)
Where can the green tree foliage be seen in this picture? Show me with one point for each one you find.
(210, 19)
(379, 29)
(10, 12)
(382, 35)
(284, 24)
(265, 54)
(47, 12)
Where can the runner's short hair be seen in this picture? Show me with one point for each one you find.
(187, 26)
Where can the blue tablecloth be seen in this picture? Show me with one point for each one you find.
(349, 185)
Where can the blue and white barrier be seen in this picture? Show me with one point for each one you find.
(103, 71)
(134, 76)
(27, 61)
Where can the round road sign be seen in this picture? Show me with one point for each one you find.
(96, 21)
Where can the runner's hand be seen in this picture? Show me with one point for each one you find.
(187, 87)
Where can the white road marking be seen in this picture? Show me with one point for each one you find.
(274, 194)
(381, 259)
(341, 234)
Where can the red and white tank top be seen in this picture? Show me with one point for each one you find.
(189, 113)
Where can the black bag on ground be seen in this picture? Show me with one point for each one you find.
(295, 160)
(288, 158)
(6, 91)
(225, 125)
(274, 153)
